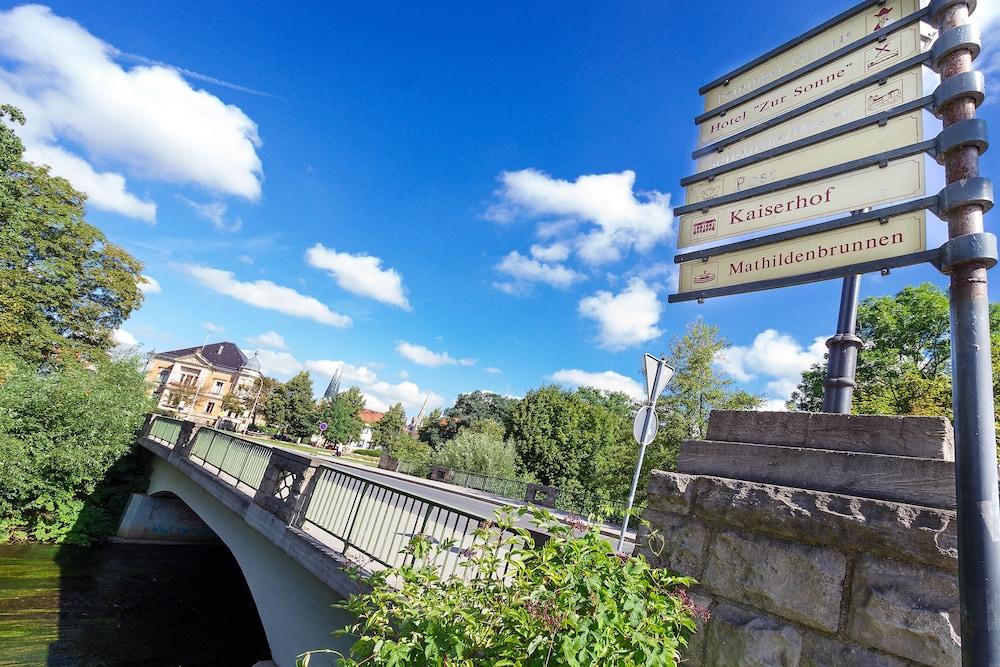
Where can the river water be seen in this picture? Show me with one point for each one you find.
(126, 604)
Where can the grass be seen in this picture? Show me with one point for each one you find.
(312, 451)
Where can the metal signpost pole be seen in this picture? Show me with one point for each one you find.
(972, 390)
(843, 358)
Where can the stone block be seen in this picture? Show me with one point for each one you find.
(921, 437)
(738, 637)
(875, 527)
(927, 482)
(670, 492)
(674, 542)
(821, 651)
(693, 654)
(799, 582)
(908, 611)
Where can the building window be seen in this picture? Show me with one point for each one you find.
(164, 375)
(217, 389)
(209, 407)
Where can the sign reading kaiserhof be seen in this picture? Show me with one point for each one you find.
(807, 133)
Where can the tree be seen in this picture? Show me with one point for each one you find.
(181, 396)
(263, 390)
(63, 432)
(62, 284)
(292, 407)
(904, 365)
(389, 428)
(468, 409)
(479, 450)
(342, 415)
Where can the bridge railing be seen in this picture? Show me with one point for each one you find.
(367, 521)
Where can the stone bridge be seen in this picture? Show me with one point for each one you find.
(296, 525)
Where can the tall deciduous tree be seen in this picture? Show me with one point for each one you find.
(62, 284)
(342, 415)
(389, 428)
(291, 409)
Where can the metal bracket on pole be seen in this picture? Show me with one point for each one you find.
(965, 84)
(976, 191)
(969, 132)
(978, 249)
(960, 38)
(937, 8)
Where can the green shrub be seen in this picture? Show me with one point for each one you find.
(63, 430)
(572, 601)
(479, 451)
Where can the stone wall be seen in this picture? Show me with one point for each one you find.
(803, 575)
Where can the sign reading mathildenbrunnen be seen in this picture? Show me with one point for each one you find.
(820, 143)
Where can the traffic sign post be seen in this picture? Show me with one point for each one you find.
(658, 373)
(828, 124)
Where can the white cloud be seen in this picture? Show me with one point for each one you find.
(360, 274)
(146, 120)
(557, 252)
(271, 339)
(527, 270)
(493, 370)
(379, 394)
(624, 319)
(775, 356)
(774, 405)
(281, 365)
(512, 288)
(607, 380)
(612, 218)
(403, 374)
(123, 338)
(149, 285)
(105, 190)
(987, 15)
(212, 327)
(246, 259)
(215, 213)
(265, 294)
(423, 356)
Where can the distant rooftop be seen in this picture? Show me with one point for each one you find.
(370, 416)
(223, 354)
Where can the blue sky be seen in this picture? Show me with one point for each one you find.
(435, 198)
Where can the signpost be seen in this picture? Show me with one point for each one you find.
(658, 373)
(830, 124)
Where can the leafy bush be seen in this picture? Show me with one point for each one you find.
(479, 451)
(571, 601)
(63, 430)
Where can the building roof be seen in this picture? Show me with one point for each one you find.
(223, 354)
(370, 416)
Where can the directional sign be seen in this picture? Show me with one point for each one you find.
(900, 179)
(899, 46)
(817, 252)
(655, 383)
(802, 52)
(877, 98)
(898, 132)
(640, 421)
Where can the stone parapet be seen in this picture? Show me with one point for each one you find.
(803, 577)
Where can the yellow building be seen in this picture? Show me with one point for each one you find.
(192, 383)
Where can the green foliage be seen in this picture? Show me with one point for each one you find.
(417, 454)
(570, 602)
(371, 453)
(904, 367)
(479, 449)
(63, 431)
(561, 436)
(387, 430)
(469, 408)
(342, 415)
(291, 409)
(63, 286)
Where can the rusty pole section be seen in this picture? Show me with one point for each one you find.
(972, 393)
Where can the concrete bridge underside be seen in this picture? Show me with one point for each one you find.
(295, 606)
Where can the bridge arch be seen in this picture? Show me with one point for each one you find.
(294, 606)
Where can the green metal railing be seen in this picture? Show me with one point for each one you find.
(165, 430)
(377, 521)
(243, 460)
